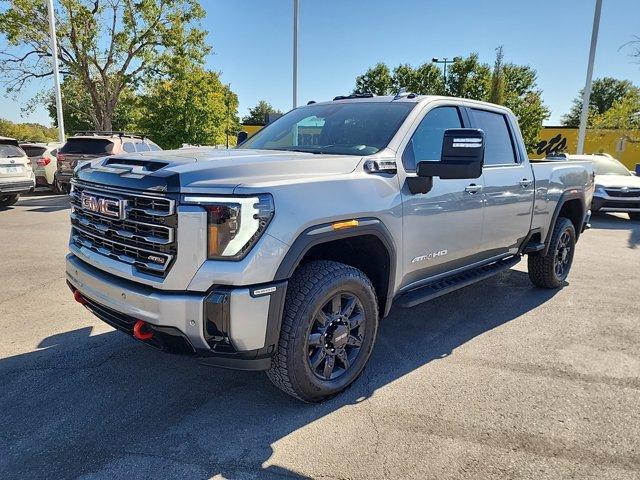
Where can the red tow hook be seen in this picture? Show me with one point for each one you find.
(141, 332)
(77, 296)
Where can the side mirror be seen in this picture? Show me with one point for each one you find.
(241, 137)
(462, 156)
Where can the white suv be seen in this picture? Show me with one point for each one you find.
(16, 174)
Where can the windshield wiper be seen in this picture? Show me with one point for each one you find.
(293, 149)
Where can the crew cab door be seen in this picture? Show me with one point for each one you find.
(508, 182)
(442, 229)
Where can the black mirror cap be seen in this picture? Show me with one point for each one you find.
(241, 137)
(462, 156)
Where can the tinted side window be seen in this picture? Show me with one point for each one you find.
(426, 142)
(498, 149)
(129, 147)
(142, 147)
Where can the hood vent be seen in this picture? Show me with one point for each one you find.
(137, 164)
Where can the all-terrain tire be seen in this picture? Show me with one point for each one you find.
(310, 288)
(544, 269)
(8, 200)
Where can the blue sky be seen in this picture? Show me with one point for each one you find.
(340, 39)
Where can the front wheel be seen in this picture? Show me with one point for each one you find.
(552, 269)
(8, 200)
(328, 330)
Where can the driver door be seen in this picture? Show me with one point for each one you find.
(442, 229)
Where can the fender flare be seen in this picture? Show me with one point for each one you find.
(564, 198)
(323, 233)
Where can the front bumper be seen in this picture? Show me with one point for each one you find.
(606, 203)
(21, 186)
(232, 327)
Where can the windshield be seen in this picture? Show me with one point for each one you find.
(610, 166)
(10, 151)
(33, 150)
(88, 146)
(350, 128)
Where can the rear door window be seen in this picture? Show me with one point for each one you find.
(88, 146)
(33, 150)
(154, 148)
(142, 147)
(498, 143)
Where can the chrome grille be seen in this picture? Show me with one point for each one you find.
(144, 237)
(620, 192)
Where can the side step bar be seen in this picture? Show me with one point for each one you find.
(449, 284)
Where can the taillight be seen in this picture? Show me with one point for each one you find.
(43, 162)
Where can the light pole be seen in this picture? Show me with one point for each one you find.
(586, 94)
(56, 72)
(295, 52)
(444, 61)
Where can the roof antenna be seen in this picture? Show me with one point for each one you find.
(401, 93)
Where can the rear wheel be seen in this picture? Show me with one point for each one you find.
(8, 200)
(552, 269)
(634, 215)
(328, 331)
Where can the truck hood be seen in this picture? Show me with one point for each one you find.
(198, 169)
(613, 181)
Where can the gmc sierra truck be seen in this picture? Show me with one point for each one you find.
(283, 254)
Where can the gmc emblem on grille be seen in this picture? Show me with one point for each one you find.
(103, 206)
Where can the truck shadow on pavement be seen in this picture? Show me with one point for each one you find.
(613, 222)
(104, 406)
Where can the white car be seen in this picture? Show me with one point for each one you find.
(43, 161)
(16, 174)
(617, 189)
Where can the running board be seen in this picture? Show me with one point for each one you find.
(454, 282)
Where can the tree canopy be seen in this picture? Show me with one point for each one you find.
(33, 132)
(605, 92)
(193, 107)
(109, 46)
(507, 84)
(260, 113)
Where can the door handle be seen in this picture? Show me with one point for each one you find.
(525, 183)
(473, 189)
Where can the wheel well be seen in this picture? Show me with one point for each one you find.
(574, 211)
(364, 252)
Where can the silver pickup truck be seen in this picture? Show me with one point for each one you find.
(284, 254)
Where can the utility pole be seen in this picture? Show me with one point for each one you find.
(56, 72)
(444, 61)
(295, 52)
(586, 94)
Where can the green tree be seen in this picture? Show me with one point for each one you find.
(194, 107)
(508, 84)
(79, 114)
(376, 80)
(424, 80)
(604, 93)
(469, 78)
(109, 46)
(624, 114)
(260, 112)
(33, 132)
(496, 94)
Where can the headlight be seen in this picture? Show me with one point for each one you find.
(600, 190)
(234, 224)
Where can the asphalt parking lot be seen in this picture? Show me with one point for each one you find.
(498, 380)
